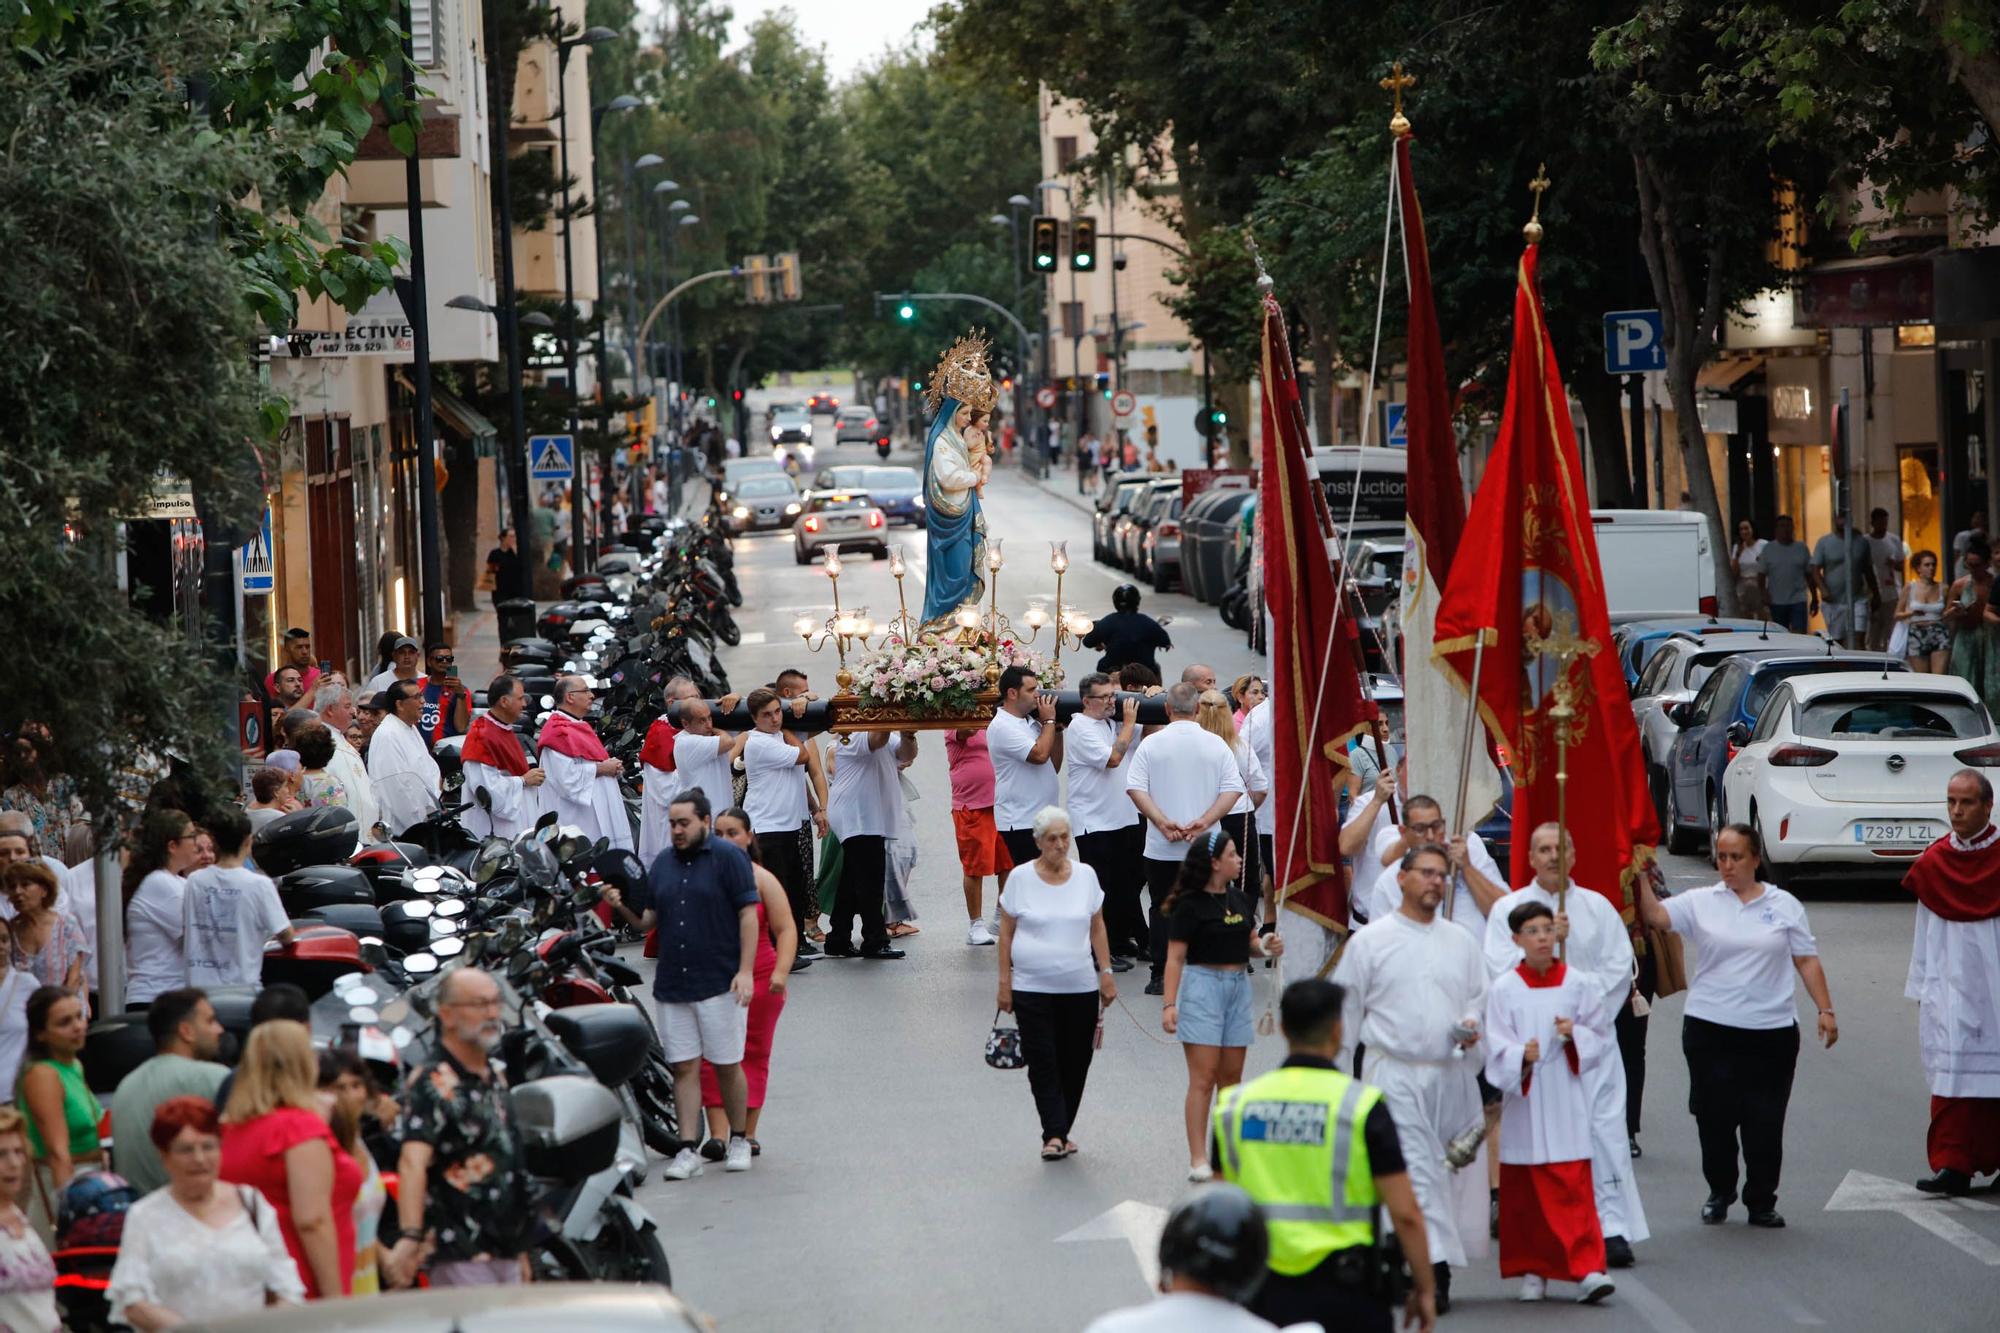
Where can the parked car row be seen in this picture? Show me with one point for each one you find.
(1143, 524)
(1838, 758)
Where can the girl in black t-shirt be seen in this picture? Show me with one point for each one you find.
(1211, 938)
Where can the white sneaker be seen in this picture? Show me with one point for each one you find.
(1596, 1286)
(977, 933)
(1533, 1288)
(1201, 1174)
(686, 1164)
(738, 1158)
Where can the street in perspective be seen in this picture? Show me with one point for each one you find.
(1055, 667)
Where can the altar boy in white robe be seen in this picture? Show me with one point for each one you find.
(1598, 950)
(1416, 996)
(1544, 1030)
(583, 780)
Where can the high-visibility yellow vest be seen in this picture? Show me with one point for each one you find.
(1293, 1140)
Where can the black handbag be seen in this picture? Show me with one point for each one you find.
(1003, 1046)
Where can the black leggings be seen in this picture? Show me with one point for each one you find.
(1631, 1029)
(1115, 854)
(1058, 1035)
(1739, 1083)
(780, 853)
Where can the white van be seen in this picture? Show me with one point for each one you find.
(1655, 561)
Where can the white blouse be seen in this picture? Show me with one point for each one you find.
(171, 1258)
(27, 1284)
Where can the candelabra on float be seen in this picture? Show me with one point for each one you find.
(1070, 623)
(841, 627)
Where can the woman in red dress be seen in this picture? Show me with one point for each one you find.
(777, 947)
(275, 1139)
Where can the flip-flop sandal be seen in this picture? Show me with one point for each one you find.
(903, 929)
(1053, 1154)
(756, 1148)
(1070, 1149)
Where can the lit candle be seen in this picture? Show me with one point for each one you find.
(833, 562)
(803, 627)
(1059, 556)
(966, 618)
(1036, 617)
(993, 560)
(896, 561)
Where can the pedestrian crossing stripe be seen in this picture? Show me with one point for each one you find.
(549, 457)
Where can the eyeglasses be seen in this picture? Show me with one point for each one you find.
(443, 657)
(1435, 826)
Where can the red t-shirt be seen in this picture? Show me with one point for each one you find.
(253, 1153)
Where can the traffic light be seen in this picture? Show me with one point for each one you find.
(788, 275)
(1083, 244)
(1047, 234)
(757, 281)
(1104, 384)
(906, 312)
(711, 402)
(1210, 421)
(736, 395)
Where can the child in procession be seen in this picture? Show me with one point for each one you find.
(1543, 1028)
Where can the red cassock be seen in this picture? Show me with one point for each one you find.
(1955, 979)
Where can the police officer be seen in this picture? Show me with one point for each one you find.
(1212, 1256)
(1318, 1151)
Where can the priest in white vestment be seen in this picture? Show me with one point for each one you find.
(400, 767)
(336, 707)
(582, 786)
(495, 761)
(1598, 951)
(1416, 997)
(1955, 980)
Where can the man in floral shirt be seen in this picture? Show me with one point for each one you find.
(462, 1201)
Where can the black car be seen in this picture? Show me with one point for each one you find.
(1208, 542)
(1717, 722)
(1117, 498)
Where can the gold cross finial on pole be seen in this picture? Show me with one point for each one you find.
(1399, 124)
(1533, 231)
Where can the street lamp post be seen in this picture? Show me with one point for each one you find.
(629, 204)
(594, 36)
(622, 102)
(509, 311)
(430, 566)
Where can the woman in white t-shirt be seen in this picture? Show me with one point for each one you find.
(1740, 1024)
(16, 985)
(155, 891)
(1743, 558)
(1051, 934)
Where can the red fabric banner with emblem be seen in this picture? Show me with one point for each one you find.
(1528, 582)
(1316, 699)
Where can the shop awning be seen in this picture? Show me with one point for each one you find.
(1724, 376)
(462, 419)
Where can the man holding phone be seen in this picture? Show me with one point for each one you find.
(447, 703)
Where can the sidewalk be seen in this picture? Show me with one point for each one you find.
(1060, 483)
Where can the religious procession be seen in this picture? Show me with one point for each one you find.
(986, 660)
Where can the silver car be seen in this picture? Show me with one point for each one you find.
(857, 425)
(764, 502)
(847, 520)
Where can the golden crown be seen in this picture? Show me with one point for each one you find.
(962, 374)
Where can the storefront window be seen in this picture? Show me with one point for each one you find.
(1922, 495)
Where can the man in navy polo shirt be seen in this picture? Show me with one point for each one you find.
(702, 894)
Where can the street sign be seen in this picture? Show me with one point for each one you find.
(1045, 397)
(255, 566)
(1395, 425)
(250, 728)
(551, 457)
(1124, 403)
(1634, 342)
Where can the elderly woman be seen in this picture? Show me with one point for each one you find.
(1740, 1026)
(62, 1111)
(47, 943)
(198, 1249)
(27, 1274)
(1051, 930)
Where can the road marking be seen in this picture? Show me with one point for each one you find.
(1139, 1225)
(1797, 1312)
(1652, 1307)
(1861, 1192)
(751, 636)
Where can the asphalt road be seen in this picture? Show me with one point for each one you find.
(900, 1186)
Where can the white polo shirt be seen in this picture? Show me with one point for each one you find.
(863, 797)
(702, 763)
(1743, 975)
(1020, 789)
(1386, 892)
(1256, 733)
(1183, 769)
(775, 795)
(1097, 799)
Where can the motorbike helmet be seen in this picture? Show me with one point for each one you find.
(323, 835)
(1217, 1237)
(92, 1211)
(1125, 597)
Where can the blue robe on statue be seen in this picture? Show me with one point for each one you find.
(956, 529)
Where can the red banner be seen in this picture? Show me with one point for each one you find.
(1530, 588)
(1316, 700)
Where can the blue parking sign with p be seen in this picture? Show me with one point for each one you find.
(1634, 342)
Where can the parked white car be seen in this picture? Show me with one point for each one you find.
(1845, 772)
(1682, 663)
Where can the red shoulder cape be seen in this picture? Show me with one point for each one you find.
(495, 746)
(658, 750)
(1957, 885)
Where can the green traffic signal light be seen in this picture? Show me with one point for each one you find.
(1084, 260)
(1221, 417)
(906, 311)
(1045, 261)
(711, 400)
(916, 386)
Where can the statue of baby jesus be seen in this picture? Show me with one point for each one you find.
(979, 447)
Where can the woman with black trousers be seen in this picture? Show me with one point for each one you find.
(1051, 935)
(1740, 1028)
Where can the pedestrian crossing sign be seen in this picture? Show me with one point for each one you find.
(255, 560)
(551, 457)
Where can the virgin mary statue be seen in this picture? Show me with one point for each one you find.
(955, 527)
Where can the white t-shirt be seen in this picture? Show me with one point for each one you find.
(382, 680)
(863, 798)
(1183, 769)
(775, 795)
(1386, 893)
(15, 988)
(1743, 973)
(1051, 951)
(703, 762)
(154, 920)
(1020, 789)
(1097, 799)
(1251, 770)
(1256, 733)
(1182, 1312)
(228, 913)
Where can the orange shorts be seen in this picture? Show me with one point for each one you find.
(980, 850)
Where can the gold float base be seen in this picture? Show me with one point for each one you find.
(850, 714)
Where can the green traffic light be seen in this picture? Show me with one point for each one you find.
(1044, 261)
(711, 400)
(1221, 417)
(906, 311)
(1083, 261)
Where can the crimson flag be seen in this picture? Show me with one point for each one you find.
(1316, 699)
(1528, 583)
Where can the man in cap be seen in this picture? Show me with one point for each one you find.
(404, 657)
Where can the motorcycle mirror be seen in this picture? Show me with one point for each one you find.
(548, 702)
(483, 798)
(601, 846)
(443, 927)
(448, 948)
(369, 941)
(548, 820)
(451, 907)
(417, 908)
(362, 1013)
(402, 1037)
(420, 964)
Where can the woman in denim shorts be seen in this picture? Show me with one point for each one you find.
(1211, 938)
